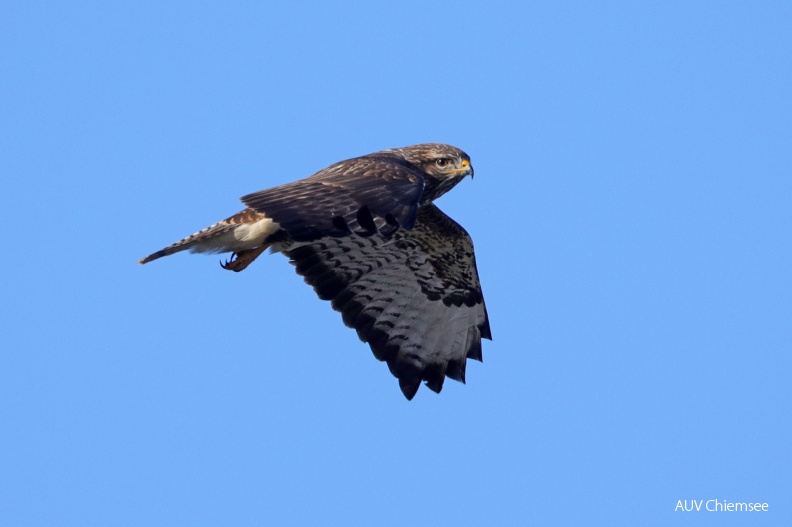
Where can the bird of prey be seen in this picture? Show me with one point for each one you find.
(365, 235)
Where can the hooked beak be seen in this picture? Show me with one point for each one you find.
(466, 170)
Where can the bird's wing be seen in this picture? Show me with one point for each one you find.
(366, 195)
(415, 296)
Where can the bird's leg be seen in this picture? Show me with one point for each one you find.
(239, 261)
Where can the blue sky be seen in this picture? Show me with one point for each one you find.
(633, 229)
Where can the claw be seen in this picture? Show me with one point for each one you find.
(228, 262)
(239, 261)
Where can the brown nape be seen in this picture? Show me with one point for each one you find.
(239, 261)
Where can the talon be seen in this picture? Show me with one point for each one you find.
(239, 261)
(229, 261)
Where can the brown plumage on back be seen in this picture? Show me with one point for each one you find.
(364, 234)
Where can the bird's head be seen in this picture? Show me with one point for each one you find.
(438, 160)
(443, 165)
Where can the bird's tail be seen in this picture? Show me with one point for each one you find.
(204, 240)
(244, 233)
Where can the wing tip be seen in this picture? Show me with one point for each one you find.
(409, 387)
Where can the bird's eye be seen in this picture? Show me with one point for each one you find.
(442, 162)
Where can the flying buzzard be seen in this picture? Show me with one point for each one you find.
(365, 234)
